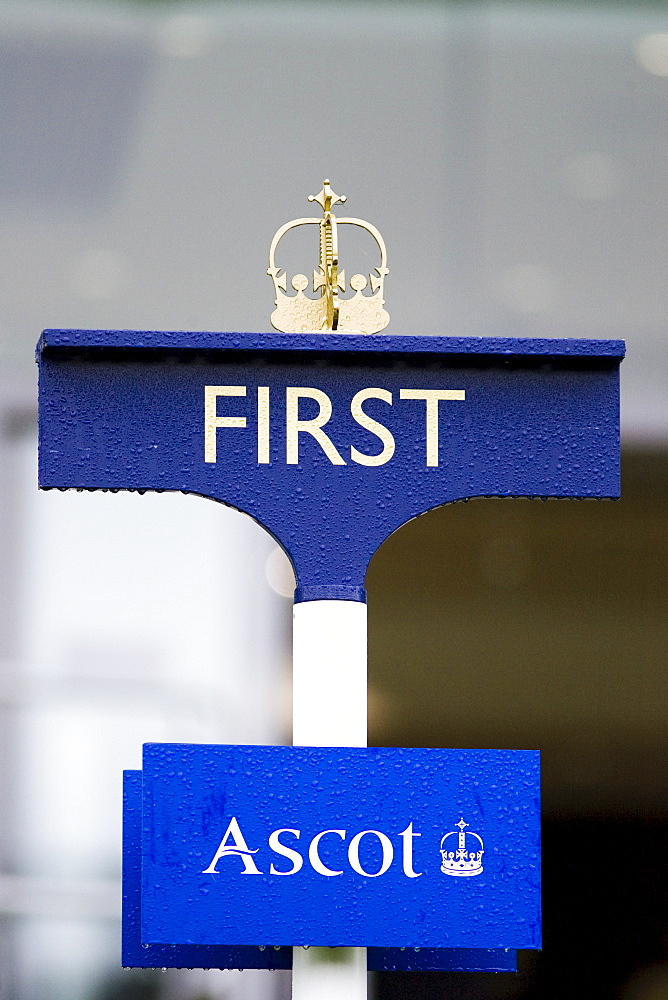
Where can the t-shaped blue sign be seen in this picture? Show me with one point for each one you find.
(332, 442)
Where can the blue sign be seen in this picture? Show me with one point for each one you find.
(387, 848)
(137, 954)
(332, 442)
(430, 858)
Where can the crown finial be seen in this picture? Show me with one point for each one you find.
(329, 312)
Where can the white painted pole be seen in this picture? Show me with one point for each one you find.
(329, 692)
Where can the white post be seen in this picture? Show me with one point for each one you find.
(329, 691)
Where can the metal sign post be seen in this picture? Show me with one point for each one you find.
(329, 709)
(331, 440)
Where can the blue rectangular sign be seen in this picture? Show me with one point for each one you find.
(137, 954)
(387, 848)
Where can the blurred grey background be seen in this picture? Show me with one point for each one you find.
(514, 157)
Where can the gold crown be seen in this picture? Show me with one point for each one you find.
(300, 314)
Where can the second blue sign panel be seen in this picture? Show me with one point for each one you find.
(329, 846)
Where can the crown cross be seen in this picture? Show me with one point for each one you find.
(329, 311)
(327, 198)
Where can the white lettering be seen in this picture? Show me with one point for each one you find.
(314, 857)
(286, 852)
(240, 849)
(354, 853)
(211, 419)
(294, 426)
(408, 836)
(369, 424)
(432, 397)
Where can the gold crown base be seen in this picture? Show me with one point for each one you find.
(362, 314)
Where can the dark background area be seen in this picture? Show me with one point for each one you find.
(529, 624)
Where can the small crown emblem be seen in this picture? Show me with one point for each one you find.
(466, 858)
(329, 311)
